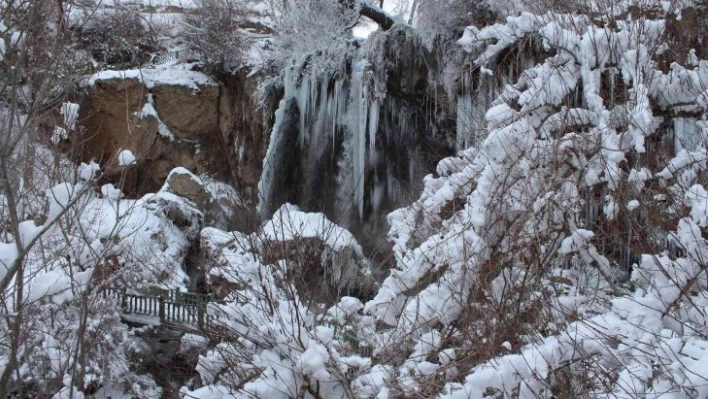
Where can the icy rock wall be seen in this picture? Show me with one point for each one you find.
(355, 145)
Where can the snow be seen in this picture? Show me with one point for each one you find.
(193, 341)
(632, 205)
(69, 393)
(150, 111)
(170, 73)
(126, 158)
(50, 284)
(208, 392)
(141, 319)
(346, 308)
(8, 255)
(697, 198)
(59, 134)
(184, 172)
(289, 223)
(89, 171)
(70, 114)
(110, 192)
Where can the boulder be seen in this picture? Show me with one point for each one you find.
(185, 184)
(219, 204)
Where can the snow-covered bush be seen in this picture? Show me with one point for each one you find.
(560, 253)
(65, 332)
(293, 328)
(118, 37)
(217, 31)
(519, 219)
(451, 17)
(314, 35)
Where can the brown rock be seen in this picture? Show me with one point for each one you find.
(216, 129)
(111, 119)
(183, 183)
(188, 114)
(251, 129)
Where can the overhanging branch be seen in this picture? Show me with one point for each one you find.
(370, 11)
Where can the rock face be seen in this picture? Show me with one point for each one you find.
(356, 145)
(191, 121)
(250, 123)
(191, 114)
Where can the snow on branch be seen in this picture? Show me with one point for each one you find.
(372, 12)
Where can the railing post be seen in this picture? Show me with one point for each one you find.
(123, 300)
(162, 308)
(200, 316)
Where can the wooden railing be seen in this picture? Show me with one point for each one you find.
(173, 308)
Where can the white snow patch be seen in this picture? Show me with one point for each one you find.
(164, 74)
(126, 158)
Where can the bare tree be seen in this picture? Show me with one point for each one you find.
(48, 289)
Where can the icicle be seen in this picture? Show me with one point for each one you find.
(686, 136)
(313, 101)
(358, 118)
(265, 184)
(266, 181)
(337, 104)
(377, 196)
(303, 102)
(373, 125)
(323, 114)
(465, 131)
(361, 150)
(289, 83)
(334, 103)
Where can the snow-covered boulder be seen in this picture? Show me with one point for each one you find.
(184, 183)
(219, 203)
(322, 259)
(325, 258)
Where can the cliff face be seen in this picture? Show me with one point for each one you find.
(170, 117)
(354, 144)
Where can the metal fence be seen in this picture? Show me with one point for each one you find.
(172, 308)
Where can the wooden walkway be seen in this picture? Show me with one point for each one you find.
(179, 309)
